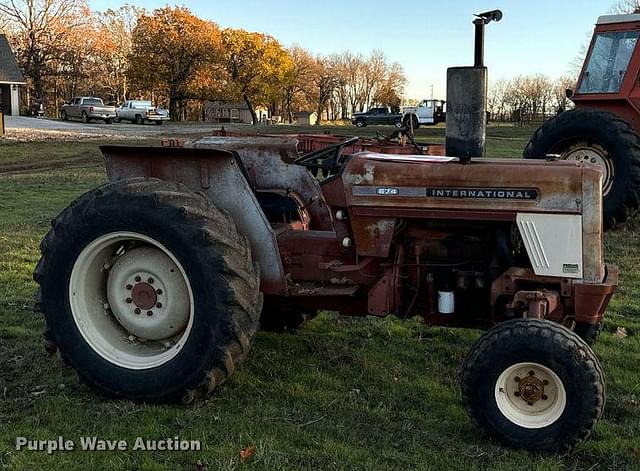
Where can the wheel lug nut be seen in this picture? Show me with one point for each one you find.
(150, 280)
(545, 382)
(159, 291)
(129, 287)
(532, 373)
(159, 305)
(129, 300)
(149, 313)
(516, 394)
(138, 279)
(544, 397)
(137, 310)
(517, 378)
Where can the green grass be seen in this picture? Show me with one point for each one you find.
(341, 393)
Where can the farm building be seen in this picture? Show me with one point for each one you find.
(306, 118)
(232, 112)
(11, 79)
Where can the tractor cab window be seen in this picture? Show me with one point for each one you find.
(608, 62)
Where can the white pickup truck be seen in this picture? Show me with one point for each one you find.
(139, 111)
(427, 112)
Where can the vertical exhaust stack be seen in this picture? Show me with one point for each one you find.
(467, 99)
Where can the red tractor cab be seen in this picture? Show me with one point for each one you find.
(603, 127)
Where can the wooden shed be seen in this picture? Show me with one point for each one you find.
(306, 118)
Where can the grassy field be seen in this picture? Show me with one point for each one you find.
(339, 394)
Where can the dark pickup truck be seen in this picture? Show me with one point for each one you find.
(376, 116)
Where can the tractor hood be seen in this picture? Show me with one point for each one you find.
(378, 185)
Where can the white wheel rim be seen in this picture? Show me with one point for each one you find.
(583, 152)
(102, 281)
(530, 395)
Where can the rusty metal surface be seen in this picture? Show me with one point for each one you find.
(312, 261)
(311, 142)
(558, 184)
(373, 235)
(269, 164)
(216, 173)
(592, 299)
(592, 235)
(537, 304)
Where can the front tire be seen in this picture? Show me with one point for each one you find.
(360, 123)
(64, 116)
(85, 117)
(139, 119)
(533, 384)
(602, 138)
(149, 291)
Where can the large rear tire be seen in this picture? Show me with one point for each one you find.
(598, 137)
(149, 291)
(533, 384)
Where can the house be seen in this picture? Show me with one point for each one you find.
(306, 118)
(232, 112)
(11, 79)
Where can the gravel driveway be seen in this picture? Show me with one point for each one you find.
(26, 128)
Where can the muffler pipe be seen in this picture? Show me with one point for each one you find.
(466, 129)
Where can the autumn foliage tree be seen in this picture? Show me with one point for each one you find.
(325, 78)
(171, 51)
(257, 65)
(297, 86)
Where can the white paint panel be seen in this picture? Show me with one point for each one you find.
(553, 243)
(15, 101)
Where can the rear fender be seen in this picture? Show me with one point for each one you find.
(219, 174)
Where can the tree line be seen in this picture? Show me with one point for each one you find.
(528, 98)
(178, 60)
(181, 61)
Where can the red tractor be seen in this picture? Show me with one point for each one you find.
(603, 127)
(154, 285)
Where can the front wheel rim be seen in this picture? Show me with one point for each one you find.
(530, 395)
(595, 154)
(131, 300)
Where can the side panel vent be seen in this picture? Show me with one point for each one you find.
(553, 243)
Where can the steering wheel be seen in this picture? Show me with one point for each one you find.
(326, 159)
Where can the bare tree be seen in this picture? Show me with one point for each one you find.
(39, 31)
(626, 6)
(115, 28)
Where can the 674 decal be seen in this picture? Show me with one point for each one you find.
(386, 191)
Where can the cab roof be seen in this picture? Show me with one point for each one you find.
(611, 19)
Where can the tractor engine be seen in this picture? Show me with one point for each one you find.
(449, 267)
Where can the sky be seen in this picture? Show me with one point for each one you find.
(425, 37)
